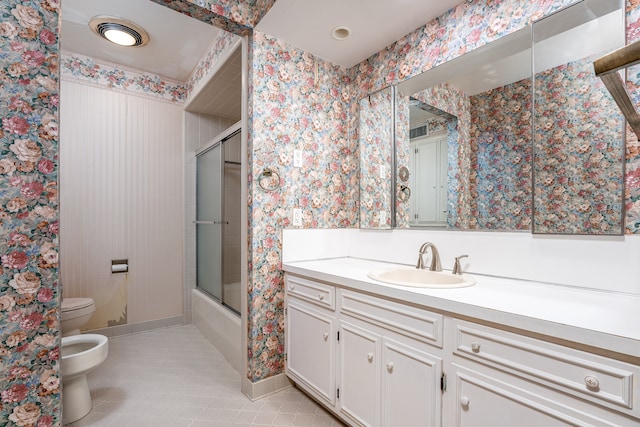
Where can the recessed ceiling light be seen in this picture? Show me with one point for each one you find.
(119, 31)
(340, 33)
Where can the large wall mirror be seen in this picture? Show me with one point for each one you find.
(579, 131)
(376, 159)
(495, 140)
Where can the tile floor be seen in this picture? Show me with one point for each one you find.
(174, 377)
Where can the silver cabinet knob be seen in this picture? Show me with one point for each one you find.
(475, 346)
(591, 382)
(321, 297)
(464, 402)
(390, 366)
(291, 286)
(325, 336)
(370, 357)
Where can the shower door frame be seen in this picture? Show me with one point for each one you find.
(218, 140)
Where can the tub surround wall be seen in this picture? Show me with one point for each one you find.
(86, 70)
(30, 379)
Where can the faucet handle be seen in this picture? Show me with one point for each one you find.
(457, 268)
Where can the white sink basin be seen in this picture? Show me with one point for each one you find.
(422, 278)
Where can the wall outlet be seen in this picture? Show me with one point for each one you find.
(383, 171)
(383, 217)
(297, 158)
(297, 217)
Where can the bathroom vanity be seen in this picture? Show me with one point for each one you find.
(502, 352)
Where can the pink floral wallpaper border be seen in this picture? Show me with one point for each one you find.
(92, 71)
(30, 381)
(223, 42)
(89, 70)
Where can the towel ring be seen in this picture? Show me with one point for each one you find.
(405, 193)
(271, 178)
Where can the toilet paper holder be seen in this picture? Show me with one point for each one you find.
(119, 266)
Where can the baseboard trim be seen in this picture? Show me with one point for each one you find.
(265, 387)
(135, 328)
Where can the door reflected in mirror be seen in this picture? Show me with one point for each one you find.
(468, 140)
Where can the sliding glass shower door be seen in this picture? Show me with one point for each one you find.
(218, 216)
(209, 221)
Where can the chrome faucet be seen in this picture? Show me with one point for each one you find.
(457, 268)
(435, 257)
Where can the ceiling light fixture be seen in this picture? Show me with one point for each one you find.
(340, 33)
(119, 31)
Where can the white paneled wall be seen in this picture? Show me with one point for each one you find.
(121, 196)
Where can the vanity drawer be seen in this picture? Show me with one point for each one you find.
(602, 380)
(419, 324)
(314, 292)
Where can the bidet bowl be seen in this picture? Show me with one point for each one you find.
(419, 278)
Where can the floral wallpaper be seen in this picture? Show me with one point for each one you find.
(632, 176)
(77, 67)
(224, 41)
(501, 140)
(30, 382)
(376, 146)
(292, 106)
(298, 102)
(404, 192)
(578, 169)
(236, 16)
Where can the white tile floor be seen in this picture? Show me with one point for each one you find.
(174, 377)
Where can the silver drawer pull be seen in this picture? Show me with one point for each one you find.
(592, 383)
(321, 297)
(325, 336)
(475, 346)
(370, 357)
(390, 367)
(291, 286)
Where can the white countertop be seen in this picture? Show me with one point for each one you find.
(600, 319)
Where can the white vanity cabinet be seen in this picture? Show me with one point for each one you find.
(503, 378)
(311, 337)
(389, 368)
(371, 361)
(376, 360)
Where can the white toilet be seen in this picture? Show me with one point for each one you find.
(81, 353)
(76, 312)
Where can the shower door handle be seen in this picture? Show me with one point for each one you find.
(211, 222)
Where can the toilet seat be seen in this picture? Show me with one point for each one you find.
(70, 304)
(76, 307)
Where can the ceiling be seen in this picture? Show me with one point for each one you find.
(178, 42)
(374, 25)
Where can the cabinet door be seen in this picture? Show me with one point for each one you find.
(359, 375)
(411, 394)
(486, 402)
(311, 338)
